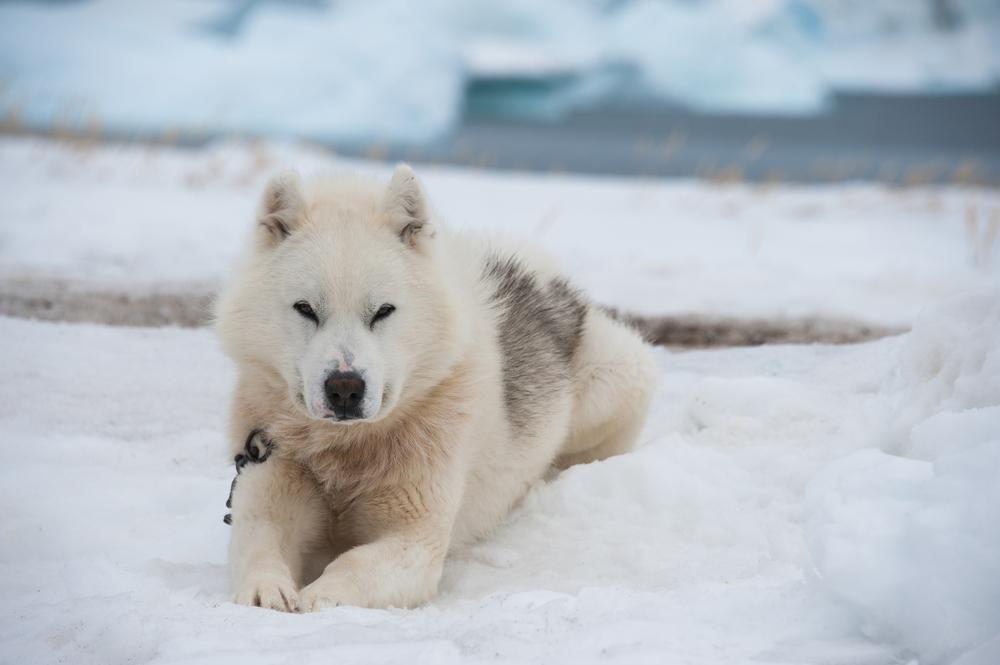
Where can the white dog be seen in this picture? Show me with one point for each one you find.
(405, 386)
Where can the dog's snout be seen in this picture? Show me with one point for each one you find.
(344, 392)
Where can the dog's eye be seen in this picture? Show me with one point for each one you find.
(306, 310)
(383, 311)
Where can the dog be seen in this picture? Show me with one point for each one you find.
(408, 383)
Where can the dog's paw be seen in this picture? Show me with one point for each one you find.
(325, 593)
(274, 592)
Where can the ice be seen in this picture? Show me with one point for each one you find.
(361, 71)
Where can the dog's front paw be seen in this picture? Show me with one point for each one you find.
(270, 591)
(328, 591)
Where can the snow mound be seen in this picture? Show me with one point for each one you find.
(909, 540)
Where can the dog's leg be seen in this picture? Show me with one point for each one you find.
(401, 566)
(278, 516)
(614, 381)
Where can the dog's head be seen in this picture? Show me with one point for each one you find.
(342, 296)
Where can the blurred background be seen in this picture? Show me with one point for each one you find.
(822, 168)
(901, 91)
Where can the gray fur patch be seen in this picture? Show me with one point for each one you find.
(540, 326)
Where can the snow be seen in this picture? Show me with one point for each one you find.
(856, 251)
(787, 504)
(910, 540)
(291, 69)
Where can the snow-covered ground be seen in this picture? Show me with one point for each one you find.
(787, 505)
(139, 217)
(397, 70)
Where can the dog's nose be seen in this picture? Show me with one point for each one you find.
(344, 392)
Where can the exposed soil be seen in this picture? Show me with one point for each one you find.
(53, 300)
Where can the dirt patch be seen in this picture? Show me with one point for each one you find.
(701, 332)
(51, 300)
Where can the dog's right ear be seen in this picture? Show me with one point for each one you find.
(282, 209)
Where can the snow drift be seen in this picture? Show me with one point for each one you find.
(909, 537)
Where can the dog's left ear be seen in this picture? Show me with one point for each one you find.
(405, 208)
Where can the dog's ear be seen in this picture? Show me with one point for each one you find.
(282, 209)
(405, 208)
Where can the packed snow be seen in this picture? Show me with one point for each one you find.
(396, 70)
(803, 504)
(147, 217)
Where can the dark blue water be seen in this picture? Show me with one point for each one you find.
(897, 139)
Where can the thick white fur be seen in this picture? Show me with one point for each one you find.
(363, 513)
